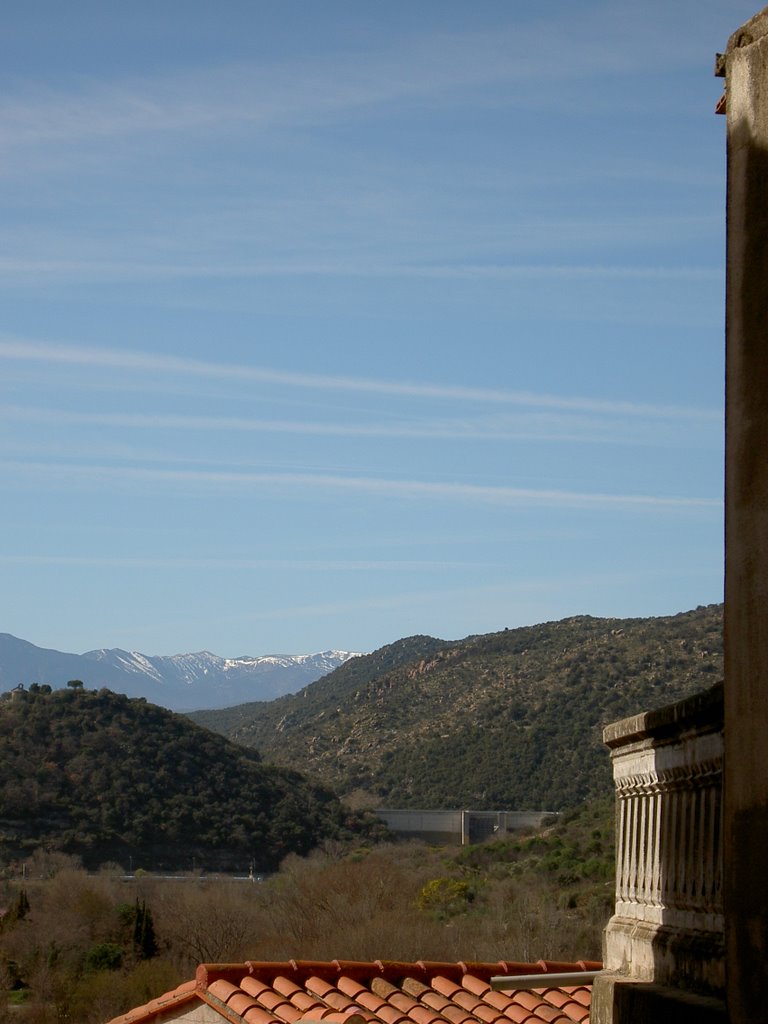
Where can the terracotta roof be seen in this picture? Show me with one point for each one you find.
(378, 992)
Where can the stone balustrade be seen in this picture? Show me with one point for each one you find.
(668, 923)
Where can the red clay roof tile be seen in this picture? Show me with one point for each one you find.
(436, 1000)
(283, 985)
(543, 1011)
(389, 1014)
(401, 1001)
(423, 1015)
(258, 1016)
(370, 1001)
(556, 996)
(528, 998)
(382, 987)
(445, 986)
(377, 992)
(271, 1000)
(318, 986)
(240, 1002)
(342, 1017)
(450, 1011)
(476, 985)
(458, 1016)
(223, 989)
(581, 995)
(501, 1001)
(564, 1001)
(414, 987)
(463, 998)
(539, 1007)
(573, 1011)
(254, 986)
(305, 1002)
(486, 1013)
(349, 986)
(519, 1014)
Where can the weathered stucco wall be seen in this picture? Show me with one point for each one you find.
(746, 576)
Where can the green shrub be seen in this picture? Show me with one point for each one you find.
(104, 956)
(445, 896)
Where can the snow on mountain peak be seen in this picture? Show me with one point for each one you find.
(182, 682)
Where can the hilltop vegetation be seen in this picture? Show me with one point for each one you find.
(510, 719)
(108, 778)
(314, 699)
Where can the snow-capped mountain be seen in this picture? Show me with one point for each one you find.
(182, 682)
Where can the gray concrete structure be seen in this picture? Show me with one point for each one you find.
(459, 827)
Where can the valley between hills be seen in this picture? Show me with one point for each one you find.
(510, 720)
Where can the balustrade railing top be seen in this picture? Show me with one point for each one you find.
(668, 922)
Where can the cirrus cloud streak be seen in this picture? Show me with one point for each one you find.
(311, 483)
(146, 362)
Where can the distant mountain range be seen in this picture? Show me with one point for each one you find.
(181, 682)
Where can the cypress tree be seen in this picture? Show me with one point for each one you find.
(144, 939)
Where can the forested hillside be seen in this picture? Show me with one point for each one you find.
(109, 778)
(505, 720)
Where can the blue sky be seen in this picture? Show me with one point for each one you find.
(325, 324)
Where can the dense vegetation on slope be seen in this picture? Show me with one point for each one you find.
(315, 698)
(510, 719)
(109, 778)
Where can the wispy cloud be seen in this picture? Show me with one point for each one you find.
(555, 426)
(153, 363)
(342, 258)
(421, 67)
(32, 269)
(523, 61)
(244, 564)
(309, 484)
(573, 271)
